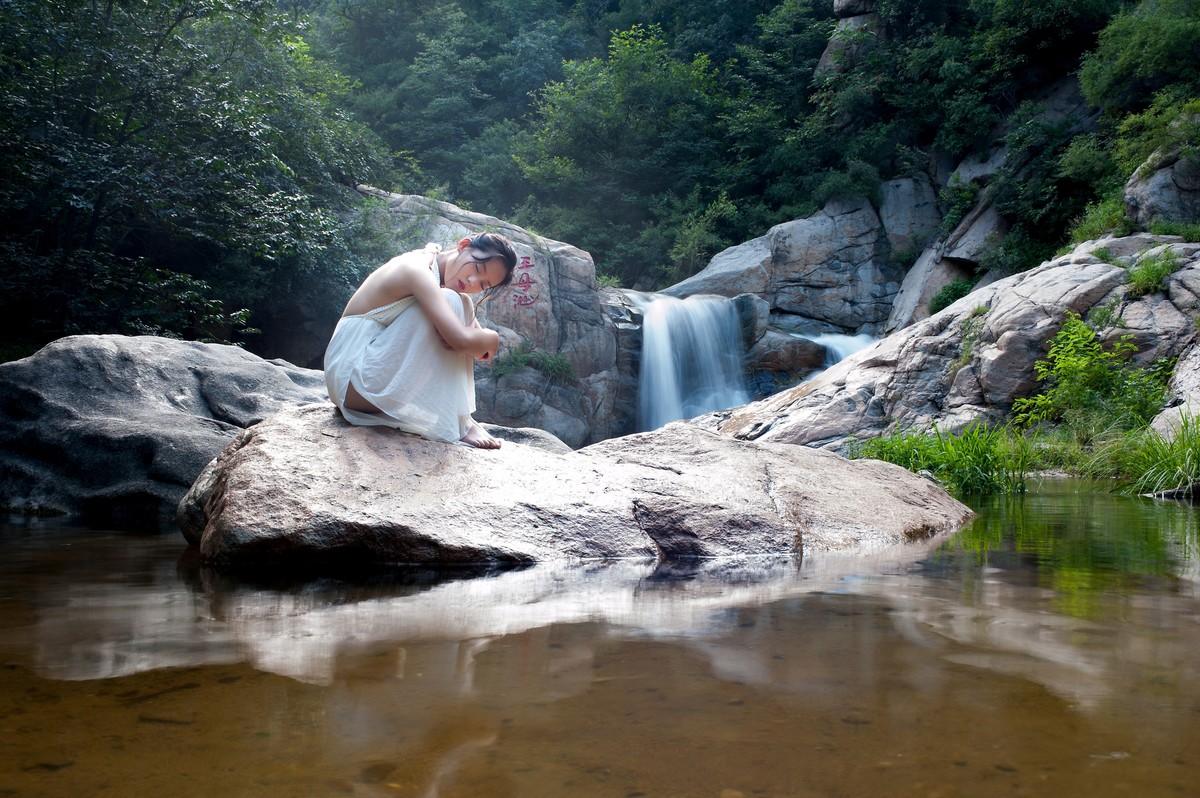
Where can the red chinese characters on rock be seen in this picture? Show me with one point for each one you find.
(522, 285)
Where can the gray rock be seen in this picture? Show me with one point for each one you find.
(928, 275)
(1185, 390)
(852, 38)
(979, 232)
(115, 429)
(1164, 189)
(304, 486)
(973, 359)
(909, 213)
(830, 269)
(852, 8)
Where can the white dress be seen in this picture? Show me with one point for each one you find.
(397, 362)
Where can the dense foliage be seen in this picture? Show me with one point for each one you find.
(655, 132)
(168, 163)
(183, 159)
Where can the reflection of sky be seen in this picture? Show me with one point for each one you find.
(106, 627)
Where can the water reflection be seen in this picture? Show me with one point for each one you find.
(1048, 649)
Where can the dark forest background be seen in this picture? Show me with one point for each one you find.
(184, 167)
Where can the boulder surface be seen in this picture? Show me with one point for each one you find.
(304, 487)
(115, 429)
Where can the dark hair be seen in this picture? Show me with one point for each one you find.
(496, 246)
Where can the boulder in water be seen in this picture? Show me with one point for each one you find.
(304, 487)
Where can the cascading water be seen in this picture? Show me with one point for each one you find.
(839, 347)
(692, 355)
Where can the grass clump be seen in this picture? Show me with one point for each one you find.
(1104, 217)
(1154, 463)
(977, 460)
(556, 367)
(1149, 275)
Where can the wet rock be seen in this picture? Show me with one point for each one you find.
(305, 487)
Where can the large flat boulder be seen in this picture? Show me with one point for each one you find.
(114, 429)
(304, 487)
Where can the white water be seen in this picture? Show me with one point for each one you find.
(692, 354)
(839, 347)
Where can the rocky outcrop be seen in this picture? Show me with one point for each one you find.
(908, 211)
(973, 359)
(1164, 189)
(853, 36)
(831, 270)
(554, 306)
(305, 487)
(961, 252)
(115, 429)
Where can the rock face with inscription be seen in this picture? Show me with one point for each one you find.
(304, 487)
(552, 308)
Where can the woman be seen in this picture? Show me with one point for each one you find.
(402, 353)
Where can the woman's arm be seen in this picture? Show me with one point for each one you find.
(410, 276)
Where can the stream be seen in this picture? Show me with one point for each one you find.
(1052, 648)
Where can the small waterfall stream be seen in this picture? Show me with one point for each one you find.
(692, 357)
(839, 346)
(692, 354)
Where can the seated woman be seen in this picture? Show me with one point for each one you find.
(402, 353)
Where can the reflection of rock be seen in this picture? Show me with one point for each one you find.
(116, 428)
(305, 486)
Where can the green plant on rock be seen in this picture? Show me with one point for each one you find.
(958, 197)
(1088, 386)
(977, 460)
(557, 367)
(1105, 216)
(950, 293)
(1149, 275)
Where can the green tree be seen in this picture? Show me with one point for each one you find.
(616, 133)
(1146, 49)
(164, 139)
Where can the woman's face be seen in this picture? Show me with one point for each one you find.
(471, 272)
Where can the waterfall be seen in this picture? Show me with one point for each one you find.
(692, 354)
(839, 347)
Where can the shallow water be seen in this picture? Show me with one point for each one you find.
(1053, 648)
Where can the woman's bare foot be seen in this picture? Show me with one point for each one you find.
(478, 437)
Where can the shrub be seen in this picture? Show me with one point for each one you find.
(1090, 387)
(950, 293)
(958, 198)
